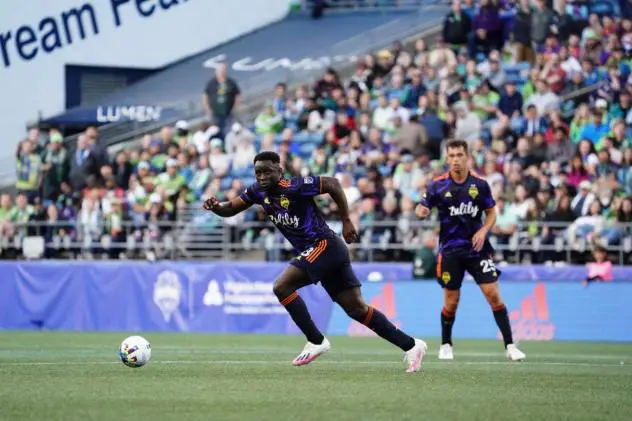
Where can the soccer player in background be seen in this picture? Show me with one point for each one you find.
(321, 255)
(461, 198)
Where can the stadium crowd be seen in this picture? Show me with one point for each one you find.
(542, 96)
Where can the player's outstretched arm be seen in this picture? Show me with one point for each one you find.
(225, 209)
(331, 186)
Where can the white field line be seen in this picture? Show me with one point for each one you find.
(321, 362)
(289, 351)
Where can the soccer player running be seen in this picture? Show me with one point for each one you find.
(461, 197)
(321, 255)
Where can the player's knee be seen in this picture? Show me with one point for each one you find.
(494, 299)
(451, 302)
(451, 306)
(281, 290)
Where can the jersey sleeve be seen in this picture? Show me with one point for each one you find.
(306, 186)
(249, 196)
(487, 200)
(429, 197)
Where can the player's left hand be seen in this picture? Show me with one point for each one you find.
(349, 232)
(479, 239)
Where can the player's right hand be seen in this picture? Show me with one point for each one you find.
(210, 204)
(421, 211)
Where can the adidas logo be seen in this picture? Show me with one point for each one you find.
(384, 302)
(448, 194)
(531, 321)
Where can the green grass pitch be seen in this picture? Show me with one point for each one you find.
(46, 376)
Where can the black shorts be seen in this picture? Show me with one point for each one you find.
(451, 270)
(328, 262)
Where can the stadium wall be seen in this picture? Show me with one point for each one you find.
(226, 297)
(39, 37)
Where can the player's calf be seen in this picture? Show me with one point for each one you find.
(285, 290)
(353, 304)
(448, 315)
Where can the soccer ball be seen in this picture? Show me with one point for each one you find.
(135, 351)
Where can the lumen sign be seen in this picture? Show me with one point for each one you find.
(39, 37)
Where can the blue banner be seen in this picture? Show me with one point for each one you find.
(540, 311)
(237, 298)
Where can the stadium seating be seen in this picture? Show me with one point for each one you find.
(516, 153)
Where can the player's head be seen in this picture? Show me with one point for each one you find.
(457, 155)
(267, 169)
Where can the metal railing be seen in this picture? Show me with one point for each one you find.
(209, 238)
(338, 6)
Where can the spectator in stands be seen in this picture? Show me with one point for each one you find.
(122, 169)
(237, 135)
(269, 121)
(561, 149)
(7, 216)
(510, 102)
(171, 180)
(506, 222)
(98, 150)
(83, 165)
(588, 226)
(218, 160)
(486, 28)
(601, 269)
(351, 192)
(55, 165)
(583, 200)
(456, 26)
(598, 126)
(543, 99)
(29, 168)
(468, 124)
(406, 173)
(521, 33)
(541, 21)
(22, 214)
(221, 98)
(327, 84)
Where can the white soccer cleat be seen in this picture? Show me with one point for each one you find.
(415, 356)
(310, 352)
(445, 352)
(514, 354)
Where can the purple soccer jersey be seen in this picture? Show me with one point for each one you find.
(461, 208)
(292, 209)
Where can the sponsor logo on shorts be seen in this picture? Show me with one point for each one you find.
(445, 277)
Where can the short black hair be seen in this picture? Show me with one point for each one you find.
(267, 156)
(456, 143)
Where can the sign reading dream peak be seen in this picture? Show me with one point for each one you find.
(51, 33)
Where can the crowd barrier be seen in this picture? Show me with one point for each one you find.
(545, 303)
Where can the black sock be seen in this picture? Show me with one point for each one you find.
(447, 321)
(378, 323)
(502, 320)
(295, 305)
